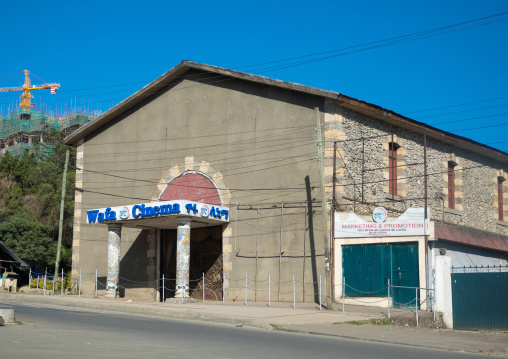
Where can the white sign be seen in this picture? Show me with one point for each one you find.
(410, 223)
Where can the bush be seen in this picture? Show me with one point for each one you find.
(67, 283)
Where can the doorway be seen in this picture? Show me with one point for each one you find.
(368, 267)
(205, 259)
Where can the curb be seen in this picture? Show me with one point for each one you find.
(494, 352)
(126, 308)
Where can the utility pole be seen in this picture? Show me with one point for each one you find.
(329, 299)
(60, 222)
(425, 215)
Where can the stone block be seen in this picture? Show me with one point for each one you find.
(8, 316)
(189, 163)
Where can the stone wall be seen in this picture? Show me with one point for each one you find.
(362, 172)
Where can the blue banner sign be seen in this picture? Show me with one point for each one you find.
(158, 209)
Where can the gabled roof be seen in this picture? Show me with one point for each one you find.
(5, 252)
(344, 101)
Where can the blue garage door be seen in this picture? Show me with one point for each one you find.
(368, 267)
(480, 300)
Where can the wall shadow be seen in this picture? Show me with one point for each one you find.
(310, 222)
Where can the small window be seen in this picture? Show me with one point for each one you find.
(392, 167)
(451, 184)
(500, 201)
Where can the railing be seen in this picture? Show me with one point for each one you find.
(206, 285)
(52, 283)
(481, 269)
(246, 288)
(430, 297)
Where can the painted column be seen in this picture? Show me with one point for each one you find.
(182, 257)
(114, 238)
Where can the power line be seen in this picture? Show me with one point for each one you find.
(457, 105)
(380, 43)
(462, 111)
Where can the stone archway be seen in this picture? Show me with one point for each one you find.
(190, 166)
(198, 182)
(192, 186)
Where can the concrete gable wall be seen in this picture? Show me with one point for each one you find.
(261, 139)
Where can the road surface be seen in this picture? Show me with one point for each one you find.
(59, 332)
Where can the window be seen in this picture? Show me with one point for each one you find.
(451, 184)
(500, 201)
(392, 167)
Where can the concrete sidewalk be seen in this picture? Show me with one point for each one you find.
(305, 318)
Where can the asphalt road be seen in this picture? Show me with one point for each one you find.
(58, 332)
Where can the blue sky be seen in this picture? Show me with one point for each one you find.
(103, 51)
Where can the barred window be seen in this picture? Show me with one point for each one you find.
(500, 201)
(392, 155)
(451, 184)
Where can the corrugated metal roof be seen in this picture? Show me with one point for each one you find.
(471, 236)
(22, 264)
(345, 101)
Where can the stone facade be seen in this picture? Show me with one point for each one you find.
(362, 172)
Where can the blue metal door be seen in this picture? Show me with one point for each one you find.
(368, 267)
(480, 300)
(404, 261)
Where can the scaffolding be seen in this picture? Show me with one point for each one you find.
(72, 122)
(22, 129)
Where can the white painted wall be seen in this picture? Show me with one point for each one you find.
(443, 287)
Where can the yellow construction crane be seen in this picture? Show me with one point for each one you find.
(26, 97)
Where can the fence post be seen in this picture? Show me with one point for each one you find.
(269, 292)
(79, 290)
(61, 288)
(45, 278)
(29, 280)
(343, 293)
(245, 303)
(294, 292)
(95, 282)
(427, 299)
(224, 286)
(388, 298)
(38, 278)
(203, 288)
(434, 302)
(320, 292)
(163, 288)
(416, 305)
(54, 275)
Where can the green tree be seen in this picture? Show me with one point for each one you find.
(29, 239)
(30, 190)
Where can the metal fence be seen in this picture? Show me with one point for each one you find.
(481, 269)
(73, 284)
(415, 304)
(53, 283)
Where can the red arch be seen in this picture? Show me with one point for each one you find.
(192, 187)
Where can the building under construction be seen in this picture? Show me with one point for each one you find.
(23, 129)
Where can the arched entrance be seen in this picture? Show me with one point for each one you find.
(205, 257)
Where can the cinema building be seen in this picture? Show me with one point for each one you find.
(214, 172)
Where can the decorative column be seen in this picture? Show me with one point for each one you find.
(114, 238)
(182, 257)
